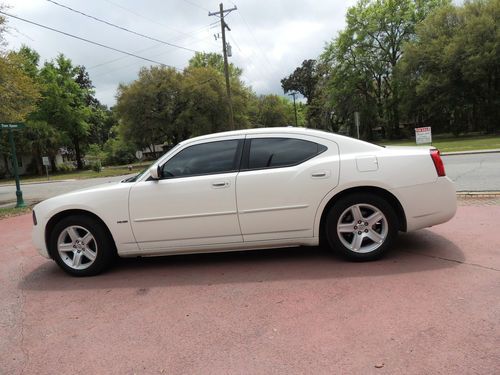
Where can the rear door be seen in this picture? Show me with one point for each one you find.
(282, 180)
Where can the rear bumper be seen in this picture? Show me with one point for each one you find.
(428, 204)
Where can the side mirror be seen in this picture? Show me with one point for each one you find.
(155, 172)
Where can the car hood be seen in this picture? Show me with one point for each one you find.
(87, 194)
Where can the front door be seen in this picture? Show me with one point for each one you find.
(193, 203)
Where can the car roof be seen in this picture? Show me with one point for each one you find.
(284, 129)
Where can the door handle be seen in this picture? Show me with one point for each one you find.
(320, 174)
(220, 184)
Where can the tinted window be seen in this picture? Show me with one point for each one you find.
(280, 152)
(206, 158)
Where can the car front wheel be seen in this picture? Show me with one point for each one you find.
(362, 226)
(81, 246)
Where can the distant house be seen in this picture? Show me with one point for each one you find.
(159, 149)
(24, 160)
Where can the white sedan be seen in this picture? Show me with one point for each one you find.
(251, 189)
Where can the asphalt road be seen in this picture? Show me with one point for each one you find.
(471, 172)
(41, 191)
(431, 306)
(474, 172)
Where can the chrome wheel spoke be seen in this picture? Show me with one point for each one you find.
(66, 247)
(374, 218)
(87, 238)
(356, 213)
(356, 242)
(346, 228)
(72, 234)
(374, 236)
(77, 259)
(89, 254)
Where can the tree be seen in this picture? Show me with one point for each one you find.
(64, 104)
(213, 60)
(164, 105)
(149, 106)
(303, 80)
(452, 69)
(274, 110)
(19, 93)
(364, 57)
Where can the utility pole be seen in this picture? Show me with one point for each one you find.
(294, 107)
(224, 26)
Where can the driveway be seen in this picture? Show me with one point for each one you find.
(431, 306)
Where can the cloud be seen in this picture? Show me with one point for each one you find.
(269, 38)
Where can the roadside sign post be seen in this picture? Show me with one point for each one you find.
(11, 127)
(356, 121)
(423, 135)
(46, 163)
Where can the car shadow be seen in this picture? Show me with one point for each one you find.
(420, 251)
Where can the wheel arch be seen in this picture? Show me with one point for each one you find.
(388, 196)
(71, 212)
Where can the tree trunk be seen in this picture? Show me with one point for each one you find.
(78, 154)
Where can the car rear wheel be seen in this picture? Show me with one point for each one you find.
(81, 246)
(361, 226)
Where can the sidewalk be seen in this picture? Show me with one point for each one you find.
(471, 152)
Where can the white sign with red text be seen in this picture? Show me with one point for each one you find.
(423, 135)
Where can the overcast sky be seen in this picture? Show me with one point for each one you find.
(269, 38)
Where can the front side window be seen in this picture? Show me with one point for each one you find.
(281, 152)
(205, 158)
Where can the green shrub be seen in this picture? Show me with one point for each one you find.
(97, 166)
(65, 168)
(119, 152)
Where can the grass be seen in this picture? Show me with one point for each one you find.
(79, 175)
(11, 211)
(451, 144)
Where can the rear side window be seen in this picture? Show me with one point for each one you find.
(205, 158)
(281, 152)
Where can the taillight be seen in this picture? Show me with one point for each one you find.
(438, 163)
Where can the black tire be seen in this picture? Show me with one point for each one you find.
(102, 243)
(342, 209)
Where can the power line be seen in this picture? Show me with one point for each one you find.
(196, 5)
(87, 40)
(121, 58)
(146, 18)
(120, 27)
(257, 44)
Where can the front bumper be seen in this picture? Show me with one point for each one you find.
(38, 237)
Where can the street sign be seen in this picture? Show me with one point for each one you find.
(46, 161)
(138, 154)
(15, 126)
(423, 135)
(12, 125)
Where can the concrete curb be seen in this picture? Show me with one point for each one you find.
(478, 194)
(472, 152)
(38, 182)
